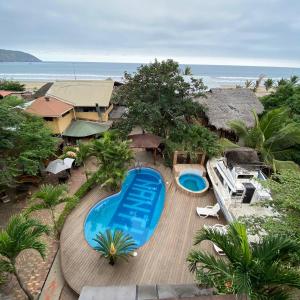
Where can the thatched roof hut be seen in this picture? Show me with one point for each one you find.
(225, 105)
(242, 156)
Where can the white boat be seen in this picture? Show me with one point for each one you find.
(236, 185)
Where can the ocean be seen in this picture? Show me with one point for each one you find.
(213, 75)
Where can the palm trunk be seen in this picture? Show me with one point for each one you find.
(25, 290)
(54, 223)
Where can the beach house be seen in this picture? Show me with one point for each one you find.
(91, 98)
(227, 104)
(58, 114)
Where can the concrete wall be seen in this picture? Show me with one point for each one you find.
(58, 125)
(92, 116)
(105, 115)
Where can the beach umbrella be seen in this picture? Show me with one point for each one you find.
(68, 162)
(58, 165)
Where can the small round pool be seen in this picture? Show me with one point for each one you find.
(192, 181)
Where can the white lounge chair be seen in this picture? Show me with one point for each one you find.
(208, 211)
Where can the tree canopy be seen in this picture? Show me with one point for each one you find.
(158, 96)
(10, 85)
(286, 94)
(25, 143)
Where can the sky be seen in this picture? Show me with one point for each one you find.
(234, 32)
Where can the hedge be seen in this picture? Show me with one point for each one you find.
(75, 199)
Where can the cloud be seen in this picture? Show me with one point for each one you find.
(191, 30)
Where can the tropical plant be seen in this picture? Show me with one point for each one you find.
(258, 82)
(115, 245)
(286, 94)
(48, 197)
(12, 101)
(114, 155)
(10, 85)
(268, 83)
(191, 138)
(25, 143)
(157, 97)
(21, 233)
(248, 83)
(260, 271)
(83, 152)
(187, 71)
(274, 136)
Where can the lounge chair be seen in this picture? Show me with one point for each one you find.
(208, 211)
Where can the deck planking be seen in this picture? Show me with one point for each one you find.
(162, 260)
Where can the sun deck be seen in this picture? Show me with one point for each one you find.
(162, 260)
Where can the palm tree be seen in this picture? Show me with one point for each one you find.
(274, 136)
(248, 83)
(294, 79)
(187, 71)
(115, 245)
(21, 233)
(260, 271)
(48, 197)
(268, 83)
(114, 155)
(84, 151)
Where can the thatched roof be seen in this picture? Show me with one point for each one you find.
(242, 156)
(225, 105)
(145, 140)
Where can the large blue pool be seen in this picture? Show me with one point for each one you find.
(135, 210)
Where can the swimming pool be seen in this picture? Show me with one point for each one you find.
(135, 210)
(192, 182)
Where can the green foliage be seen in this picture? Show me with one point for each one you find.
(83, 152)
(47, 197)
(249, 83)
(187, 71)
(260, 271)
(75, 199)
(12, 101)
(191, 138)
(21, 233)
(10, 85)
(115, 245)
(274, 136)
(114, 155)
(269, 83)
(157, 97)
(25, 143)
(287, 94)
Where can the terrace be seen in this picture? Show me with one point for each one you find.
(161, 260)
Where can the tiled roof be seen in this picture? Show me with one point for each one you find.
(5, 93)
(48, 107)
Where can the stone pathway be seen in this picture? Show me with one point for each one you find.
(33, 270)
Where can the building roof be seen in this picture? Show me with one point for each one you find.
(80, 128)
(83, 92)
(225, 105)
(145, 140)
(5, 93)
(48, 108)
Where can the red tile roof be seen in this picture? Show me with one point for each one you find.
(49, 107)
(5, 93)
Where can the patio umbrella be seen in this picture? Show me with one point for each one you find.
(58, 165)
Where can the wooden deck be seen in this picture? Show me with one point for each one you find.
(160, 261)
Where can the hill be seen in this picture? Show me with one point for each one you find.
(16, 56)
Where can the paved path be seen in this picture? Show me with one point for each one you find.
(33, 270)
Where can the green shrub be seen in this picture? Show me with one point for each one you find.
(75, 199)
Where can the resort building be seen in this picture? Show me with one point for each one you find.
(56, 113)
(228, 104)
(91, 98)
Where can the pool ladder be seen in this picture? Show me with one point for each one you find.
(138, 165)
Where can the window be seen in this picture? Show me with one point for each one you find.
(85, 109)
(245, 176)
(48, 118)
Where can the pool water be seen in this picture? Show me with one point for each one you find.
(192, 182)
(135, 210)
